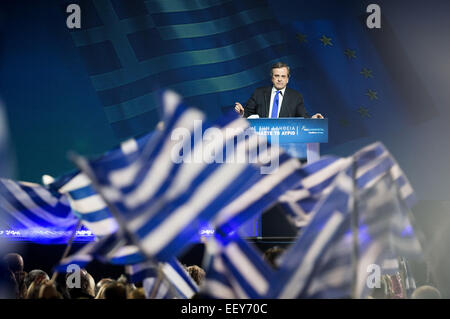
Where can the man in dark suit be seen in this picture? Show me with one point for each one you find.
(276, 101)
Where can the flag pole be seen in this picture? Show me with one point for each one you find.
(354, 227)
(66, 251)
(158, 282)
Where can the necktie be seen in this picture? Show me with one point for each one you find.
(274, 114)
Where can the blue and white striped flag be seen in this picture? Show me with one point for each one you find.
(316, 181)
(115, 249)
(237, 270)
(217, 284)
(320, 264)
(299, 262)
(29, 206)
(86, 203)
(166, 280)
(180, 182)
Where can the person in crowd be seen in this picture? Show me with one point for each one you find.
(86, 289)
(32, 275)
(61, 286)
(115, 291)
(137, 293)
(271, 255)
(14, 263)
(35, 287)
(49, 291)
(426, 292)
(101, 283)
(8, 285)
(197, 273)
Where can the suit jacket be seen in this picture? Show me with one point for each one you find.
(259, 103)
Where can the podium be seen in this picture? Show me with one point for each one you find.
(299, 137)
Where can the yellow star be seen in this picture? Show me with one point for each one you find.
(372, 95)
(326, 41)
(301, 38)
(364, 112)
(351, 54)
(367, 73)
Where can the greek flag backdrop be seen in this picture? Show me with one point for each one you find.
(213, 52)
(216, 52)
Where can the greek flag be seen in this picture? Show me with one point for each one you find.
(115, 249)
(317, 178)
(237, 271)
(163, 280)
(372, 189)
(86, 203)
(29, 206)
(189, 173)
(213, 52)
(216, 284)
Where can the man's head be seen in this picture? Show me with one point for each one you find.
(197, 273)
(271, 255)
(101, 283)
(36, 274)
(14, 262)
(280, 75)
(87, 286)
(115, 291)
(426, 292)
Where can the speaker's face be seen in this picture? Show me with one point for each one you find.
(280, 78)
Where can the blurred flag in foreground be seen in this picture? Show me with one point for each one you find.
(193, 173)
(359, 221)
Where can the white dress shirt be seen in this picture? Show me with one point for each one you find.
(280, 100)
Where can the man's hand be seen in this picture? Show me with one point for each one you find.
(239, 108)
(317, 116)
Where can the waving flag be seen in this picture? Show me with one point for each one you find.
(29, 207)
(237, 271)
(173, 188)
(316, 182)
(361, 220)
(168, 280)
(86, 203)
(163, 281)
(332, 214)
(378, 195)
